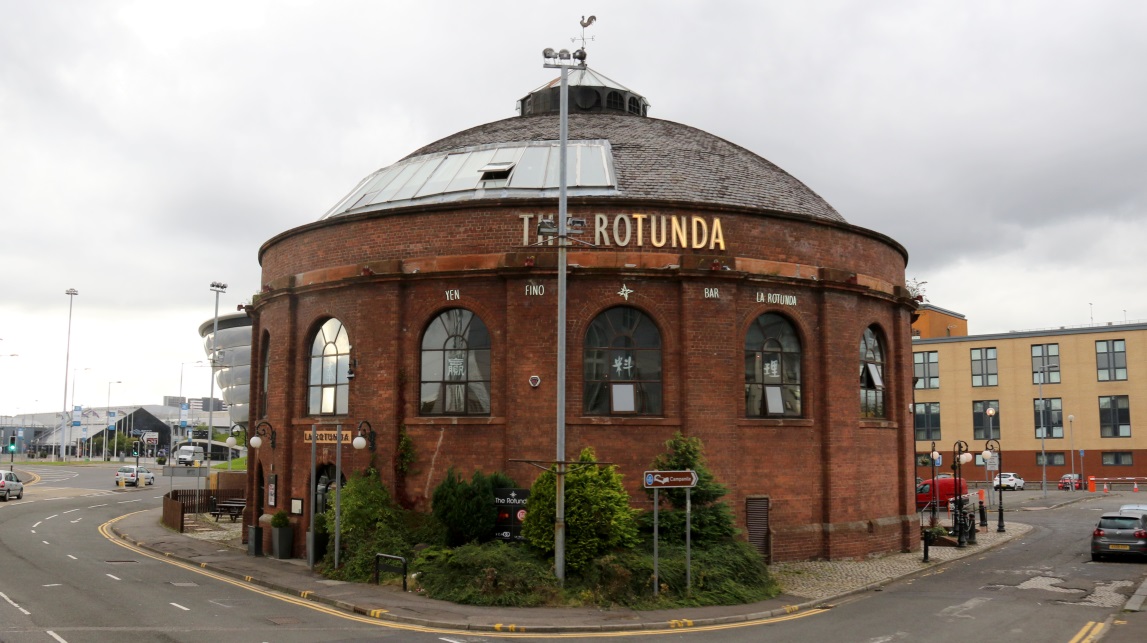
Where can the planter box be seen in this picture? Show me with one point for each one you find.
(282, 542)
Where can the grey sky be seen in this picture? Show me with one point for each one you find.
(149, 148)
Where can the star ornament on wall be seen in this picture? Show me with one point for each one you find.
(625, 292)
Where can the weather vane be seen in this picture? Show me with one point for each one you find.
(585, 22)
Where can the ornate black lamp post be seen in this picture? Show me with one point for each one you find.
(992, 448)
(935, 455)
(960, 455)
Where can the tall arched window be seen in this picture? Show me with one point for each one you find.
(455, 365)
(264, 374)
(330, 364)
(613, 100)
(871, 375)
(772, 368)
(622, 364)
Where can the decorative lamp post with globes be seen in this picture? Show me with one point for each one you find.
(960, 457)
(992, 450)
(1071, 435)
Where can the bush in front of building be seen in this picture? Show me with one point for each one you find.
(370, 523)
(494, 573)
(597, 512)
(712, 520)
(466, 509)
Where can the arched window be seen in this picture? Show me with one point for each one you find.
(613, 100)
(455, 365)
(772, 368)
(871, 375)
(330, 364)
(622, 364)
(264, 374)
(634, 105)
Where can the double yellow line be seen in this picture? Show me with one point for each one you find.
(1089, 633)
(374, 617)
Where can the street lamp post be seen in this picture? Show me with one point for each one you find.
(992, 449)
(216, 287)
(960, 456)
(935, 496)
(1042, 430)
(107, 417)
(563, 61)
(1071, 435)
(71, 293)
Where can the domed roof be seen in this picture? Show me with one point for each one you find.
(613, 154)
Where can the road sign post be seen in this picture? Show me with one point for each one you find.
(657, 480)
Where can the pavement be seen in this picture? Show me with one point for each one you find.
(809, 585)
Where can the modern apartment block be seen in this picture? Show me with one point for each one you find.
(1073, 396)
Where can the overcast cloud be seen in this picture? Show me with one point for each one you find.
(149, 148)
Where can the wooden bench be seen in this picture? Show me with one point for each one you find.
(233, 509)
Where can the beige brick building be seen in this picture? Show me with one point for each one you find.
(1092, 381)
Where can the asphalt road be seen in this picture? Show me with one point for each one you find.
(63, 579)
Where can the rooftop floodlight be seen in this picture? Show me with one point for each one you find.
(579, 55)
(547, 227)
(548, 53)
(564, 54)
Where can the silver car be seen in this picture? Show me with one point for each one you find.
(10, 486)
(1120, 533)
(131, 475)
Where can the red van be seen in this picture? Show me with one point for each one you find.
(945, 491)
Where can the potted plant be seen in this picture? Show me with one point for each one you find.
(282, 536)
(320, 536)
(160, 460)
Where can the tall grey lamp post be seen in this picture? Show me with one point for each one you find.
(564, 61)
(71, 293)
(107, 418)
(216, 287)
(1071, 435)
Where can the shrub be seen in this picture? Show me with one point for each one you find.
(712, 520)
(598, 515)
(370, 523)
(496, 573)
(467, 510)
(280, 519)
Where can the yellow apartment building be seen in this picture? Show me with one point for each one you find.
(1076, 396)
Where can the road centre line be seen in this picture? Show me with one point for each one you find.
(114, 577)
(37, 524)
(71, 510)
(185, 609)
(72, 557)
(55, 636)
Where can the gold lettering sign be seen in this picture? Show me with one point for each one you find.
(686, 232)
(331, 436)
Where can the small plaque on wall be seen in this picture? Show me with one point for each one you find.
(297, 506)
(272, 486)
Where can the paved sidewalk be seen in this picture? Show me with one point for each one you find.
(807, 585)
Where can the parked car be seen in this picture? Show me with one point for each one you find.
(1140, 508)
(1070, 480)
(945, 490)
(1120, 533)
(1008, 481)
(10, 486)
(131, 475)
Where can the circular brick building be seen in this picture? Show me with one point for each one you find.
(709, 292)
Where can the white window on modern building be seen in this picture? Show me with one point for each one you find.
(1118, 458)
(1111, 360)
(985, 371)
(1045, 363)
(927, 420)
(330, 364)
(1054, 459)
(983, 426)
(1051, 418)
(1114, 416)
(926, 369)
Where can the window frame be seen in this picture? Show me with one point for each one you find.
(1112, 427)
(327, 344)
(979, 420)
(628, 340)
(465, 348)
(1117, 354)
(926, 369)
(926, 411)
(1052, 417)
(1054, 458)
(775, 341)
(871, 383)
(989, 365)
(1048, 353)
(1115, 456)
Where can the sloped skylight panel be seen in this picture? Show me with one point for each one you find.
(395, 185)
(592, 169)
(531, 169)
(443, 175)
(467, 177)
(418, 179)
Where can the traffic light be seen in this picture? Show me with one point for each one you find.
(11, 444)
(135, 448)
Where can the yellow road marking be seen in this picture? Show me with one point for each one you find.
(1088, 633)
(510, 631)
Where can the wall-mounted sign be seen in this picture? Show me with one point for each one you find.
(656, 230)
(777, 298)
(511, 506)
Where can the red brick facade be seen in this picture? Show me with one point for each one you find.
(838, 486)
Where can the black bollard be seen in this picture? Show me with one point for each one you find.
(972, 529)
(983, 515)
(927, 542)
